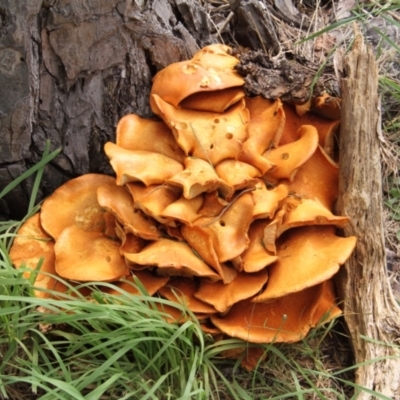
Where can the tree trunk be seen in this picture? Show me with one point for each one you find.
(70, 69)
(371, 312)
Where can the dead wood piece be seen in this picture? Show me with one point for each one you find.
(254, 27)
(370, 310)
(276, 77)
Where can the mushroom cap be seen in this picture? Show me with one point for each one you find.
(289, 157)
(310, 212)
(130, 243)
(133, 165)
(30, 245)
(237, 174)
(182, 290)
(211, 136)
(202, 243)
(317, 178)
(88, 256)
(307, 256)
(184, 210)
(266, 202)
(217, 101)
(327, 106)
(213, 205)
(119, 202)
(172, 258)
(267, 120)
(256, 257)
(228, 232)
(327, 308)
(286, 319)
(223, 296)
(210, 70)
(198, 177)
(151, 283)
(326, 128)
(152, 200)
(75, 203)
(135, 133)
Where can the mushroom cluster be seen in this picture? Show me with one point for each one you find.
(224, 203)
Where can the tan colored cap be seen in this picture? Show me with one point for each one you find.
(30, 245)
(222, 296)
(286, 319)
(133, 165)
(267, 120)
(135, 133)
(213, 137)
(75, 203)
(307, 256)
(199, 177)
(289, 157)
(172, 258)
(256, 257)
(118, 200)
(88, 256)
(150, 282)
(182, 290)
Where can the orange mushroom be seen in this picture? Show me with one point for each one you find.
(211, 136)
(310, 212)
(266, 202)
(184, 210)
(182, 290)
(31, 245)
(267, 120)
(88, 256)
(135, 133)
(289, 157)
(210, 70)
(152, 200)
(119, 202)
(307, 256)
(223, 296)
(75, 203)
(256, 257)
(198, 177)
(286, 319)
(317, 178)
(151, 283)
(237, 174)
(172, 258)
(227, 232)
(133, 165)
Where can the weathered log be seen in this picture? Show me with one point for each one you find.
(371, 312)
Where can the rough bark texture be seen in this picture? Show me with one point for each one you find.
(371, 313)
(69, 69)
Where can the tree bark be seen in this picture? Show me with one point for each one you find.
(371, 312)
(70, 69)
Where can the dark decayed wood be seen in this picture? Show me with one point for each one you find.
(371, 312)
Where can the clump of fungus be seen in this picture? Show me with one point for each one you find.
(224, 204)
